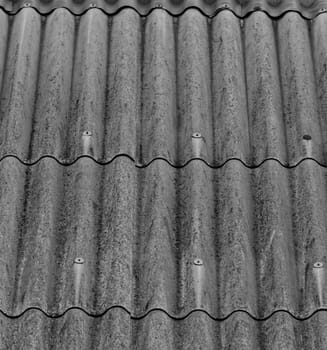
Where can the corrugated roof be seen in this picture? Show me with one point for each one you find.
(258, 233)
(254, 88)
(242, 8)
(115, 232)
(115, 330)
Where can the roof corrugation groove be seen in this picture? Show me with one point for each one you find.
(176, 254)
(254, 88)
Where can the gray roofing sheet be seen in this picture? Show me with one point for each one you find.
(253, 88)
(116, 330)
(257, 233)
(241, 8)
(115, 232)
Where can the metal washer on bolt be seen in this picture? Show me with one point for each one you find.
(79, 261)
(198, 262)
(318, 265)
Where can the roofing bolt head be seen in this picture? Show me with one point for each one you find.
(92, 5)
(198, 262)
(159, 5)
(322, 10)
(27, 4)
(196, 135)
(307, 137)
(226, 6)
(79, 261)
(318, 265)
(87, 133)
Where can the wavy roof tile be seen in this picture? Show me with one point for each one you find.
(115, 330)
(163, 178)
(163, 87)
(257, 234)
(241, 8)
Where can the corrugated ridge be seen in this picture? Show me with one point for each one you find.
(274, 8)
(177, 166)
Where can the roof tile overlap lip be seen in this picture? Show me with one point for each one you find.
(187, 139)
(275, 8)
(34, 330)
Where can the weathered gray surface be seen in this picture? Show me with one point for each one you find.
(20, 83)
(143, 86)
(275, 8)
(258, 233)
(116, 330)
(216, 240)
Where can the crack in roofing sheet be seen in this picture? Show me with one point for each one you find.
(210, 9)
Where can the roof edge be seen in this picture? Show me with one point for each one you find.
(210, 8)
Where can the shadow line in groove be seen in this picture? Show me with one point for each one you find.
(173, 317)
(214, 13)
(177, 166)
